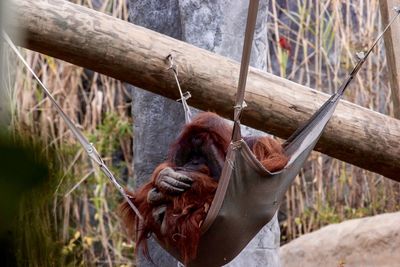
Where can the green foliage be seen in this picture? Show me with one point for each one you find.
(110, 132)
(46, 234)
(71, 219)
(25, 195)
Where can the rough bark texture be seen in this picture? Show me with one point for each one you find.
(219, 26)
(130, 53)
(392, 45)
(372, 241)
(156, 118)
(212, 26)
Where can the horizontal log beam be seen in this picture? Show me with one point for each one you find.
(137, 55)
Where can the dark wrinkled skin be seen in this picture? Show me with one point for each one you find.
(204, 157)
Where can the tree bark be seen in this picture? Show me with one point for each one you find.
(130, 53)
(210, 26)
(156, 118)
(392, 46)
(219, 26)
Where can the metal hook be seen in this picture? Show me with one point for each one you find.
(183, 96)
(172, 65)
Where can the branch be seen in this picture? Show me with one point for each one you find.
(138, 56)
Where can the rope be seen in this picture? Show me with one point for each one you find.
(362, 57)
(184, 96)
(89, 148)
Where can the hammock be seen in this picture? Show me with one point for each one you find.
(248, 195)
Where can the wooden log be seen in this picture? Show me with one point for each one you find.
(392, 46)
(136, 55)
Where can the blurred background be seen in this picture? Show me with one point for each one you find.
(69, 209)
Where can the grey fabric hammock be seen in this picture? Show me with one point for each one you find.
(248, 195)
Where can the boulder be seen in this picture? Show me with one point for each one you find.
(371, 241)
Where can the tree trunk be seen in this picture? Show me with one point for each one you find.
(156, 118)
(210, 26)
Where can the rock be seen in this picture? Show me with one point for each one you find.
(217, 26)
(371, 241)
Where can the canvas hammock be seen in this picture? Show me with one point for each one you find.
(248, 195)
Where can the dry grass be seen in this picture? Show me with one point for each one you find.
(82, 210)
(323, 48)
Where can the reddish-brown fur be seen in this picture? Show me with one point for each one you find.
(186, 212)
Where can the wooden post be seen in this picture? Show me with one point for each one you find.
(136, 55)
(392, 45)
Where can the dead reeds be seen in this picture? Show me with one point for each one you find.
(323, 37)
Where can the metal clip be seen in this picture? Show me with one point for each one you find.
(231, 164)
(240, 107)
(237, 144)
(186, 96)
(360, 55)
